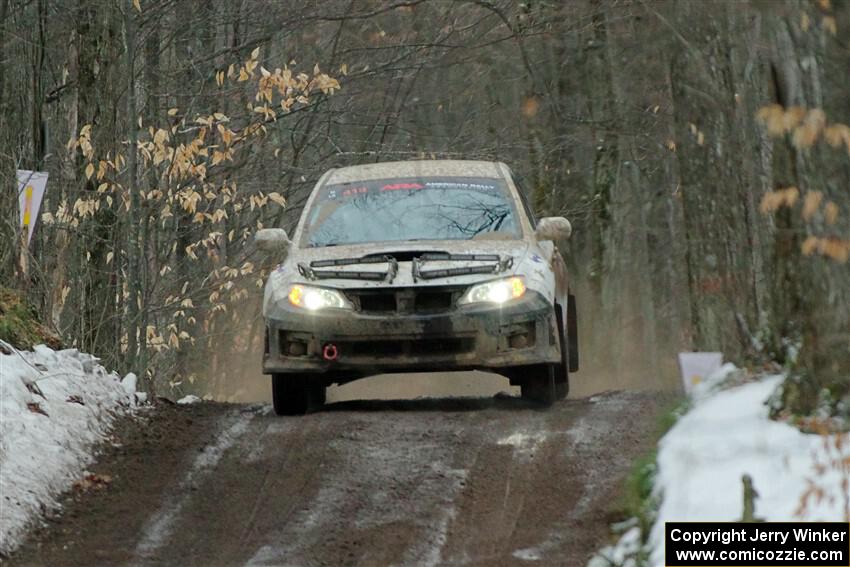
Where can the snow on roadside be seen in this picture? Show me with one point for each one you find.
(55, 406)
(726, 435)
(701, 461)
(188, 400)
(624, 553)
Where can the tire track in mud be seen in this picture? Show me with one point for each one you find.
(422, 482)
(160, 525)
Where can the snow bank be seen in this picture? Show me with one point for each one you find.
(728, 434)
(188, 400)
(624, 553)
(54, 407)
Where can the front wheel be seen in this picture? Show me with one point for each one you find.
(562, 370)
(538, 384)
(572, 332)
(293, 394)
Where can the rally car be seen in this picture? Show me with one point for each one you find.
(433, 265)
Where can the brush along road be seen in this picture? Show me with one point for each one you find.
(482, 482)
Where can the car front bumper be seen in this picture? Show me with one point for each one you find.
(471, 337)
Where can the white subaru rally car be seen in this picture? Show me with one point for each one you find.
(417, 266)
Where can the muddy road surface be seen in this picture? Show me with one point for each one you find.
(485, 481)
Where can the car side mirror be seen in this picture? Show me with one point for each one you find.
(272, 239)
(553, 228)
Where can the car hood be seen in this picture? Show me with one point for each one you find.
(288, 272)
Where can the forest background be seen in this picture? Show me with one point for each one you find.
(699, 148)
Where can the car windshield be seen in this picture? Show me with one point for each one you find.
(444, 208)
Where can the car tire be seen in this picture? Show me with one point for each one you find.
(295, 395)
(572, 332)
(538, 383)
(562, 370)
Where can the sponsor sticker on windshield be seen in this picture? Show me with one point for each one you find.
(484, 185)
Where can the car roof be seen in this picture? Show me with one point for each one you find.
(415, 168)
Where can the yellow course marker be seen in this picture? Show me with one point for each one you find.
(27, 205)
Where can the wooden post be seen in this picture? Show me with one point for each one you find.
(23, 263)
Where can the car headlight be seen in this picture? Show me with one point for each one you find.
(496, 291)
(315, 298)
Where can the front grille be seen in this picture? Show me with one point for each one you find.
(377, 302)
(406, 300)
(424, 347)
(429, 301)
(373, 348)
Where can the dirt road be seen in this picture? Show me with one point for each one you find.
(463, 481)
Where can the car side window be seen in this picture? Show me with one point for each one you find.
(524, 198)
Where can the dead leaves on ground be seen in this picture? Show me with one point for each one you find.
(92, 481)
(35, 407)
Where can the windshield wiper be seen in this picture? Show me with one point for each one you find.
(500, 265)
(311, 273)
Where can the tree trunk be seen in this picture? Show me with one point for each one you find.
(136, 352)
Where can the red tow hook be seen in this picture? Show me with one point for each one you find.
(330, 352)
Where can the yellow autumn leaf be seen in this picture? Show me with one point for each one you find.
(837, 135)
(255, 53)
(172, 111)
(774, 200)
(160, 137)
(809, 246)
(835, 248)
(811, 204)
(830, 25)
(830, 213)
(109, 258)
(89, 170)
(137, 5)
